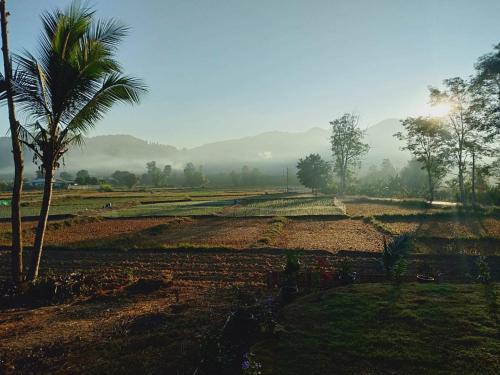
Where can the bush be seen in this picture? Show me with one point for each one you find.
(106, 188)
(484, 275)
(394, 252)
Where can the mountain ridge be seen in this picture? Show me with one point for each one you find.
(269, 151)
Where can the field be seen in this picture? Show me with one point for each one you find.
(215, 244)
(382, 329)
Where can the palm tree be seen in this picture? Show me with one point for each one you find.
(72, 83)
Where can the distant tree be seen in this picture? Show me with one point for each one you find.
(426, 139)
(165, 176)
(347, 146)
(125, 178)
(153, 175)
(414, 179)
(66, 176)
(39, 173)
(83, 178)
(193, 176)
(313, 172)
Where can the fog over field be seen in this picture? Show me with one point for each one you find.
(270, 151)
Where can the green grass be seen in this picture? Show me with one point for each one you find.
(287, 207)
(382, 329)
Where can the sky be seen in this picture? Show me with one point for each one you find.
(220, 69)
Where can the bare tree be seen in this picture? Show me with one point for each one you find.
(17, 152)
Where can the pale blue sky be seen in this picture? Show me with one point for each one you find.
(222, 69)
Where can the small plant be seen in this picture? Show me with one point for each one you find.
(399, 270)
(250, 366)
(107, 188)
(394, 252)
(346, 275)
(484, 275)
(292, 266)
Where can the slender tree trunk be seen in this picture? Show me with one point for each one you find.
(461, 184)
(473, 178)
(431, 186)
(42, 223)
(17, 240)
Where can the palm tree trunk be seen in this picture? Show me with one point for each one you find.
(42, 223)
(16, 222)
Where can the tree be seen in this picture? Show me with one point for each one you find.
(167, 173)
(463, 125)
(193, 176)
(73, 82)
(125, 178)
(486, 85)
(66, 176)
(82, 176)
(347, 146)
(426, 139)
(8, 93)
(153, 176)
(414, 179)
(313, 172)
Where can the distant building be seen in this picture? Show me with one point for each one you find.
(57, 183)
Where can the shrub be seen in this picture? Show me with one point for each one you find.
(394, 252)
(484, 275)
(106, 188)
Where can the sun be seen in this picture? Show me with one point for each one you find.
(435, 110)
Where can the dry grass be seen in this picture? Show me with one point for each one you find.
(330, 235)
(450, 228)
(371, 209)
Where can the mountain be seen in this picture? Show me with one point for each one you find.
(269, 151)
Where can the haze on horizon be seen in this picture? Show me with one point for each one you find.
(218, 70)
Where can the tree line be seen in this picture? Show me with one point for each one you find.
(455, 150)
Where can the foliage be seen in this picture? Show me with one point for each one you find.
(125, 178)
(83, 178)
(193, 176)
(484, 275)
(54, 289)
(426, 138)
(106, 188)
(347, 146)
(250, 366)
(292, 268)
(487, 90)
(313, 172)
(393, 253)
(463, 123)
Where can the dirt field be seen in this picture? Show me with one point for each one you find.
(371, 209)
(331, 235)
(448, 227)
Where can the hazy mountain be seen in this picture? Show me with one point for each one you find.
(269, 151)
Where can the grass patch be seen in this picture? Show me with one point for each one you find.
(274, 230)
(378, 328)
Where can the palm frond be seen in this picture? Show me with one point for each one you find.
(115, 88)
